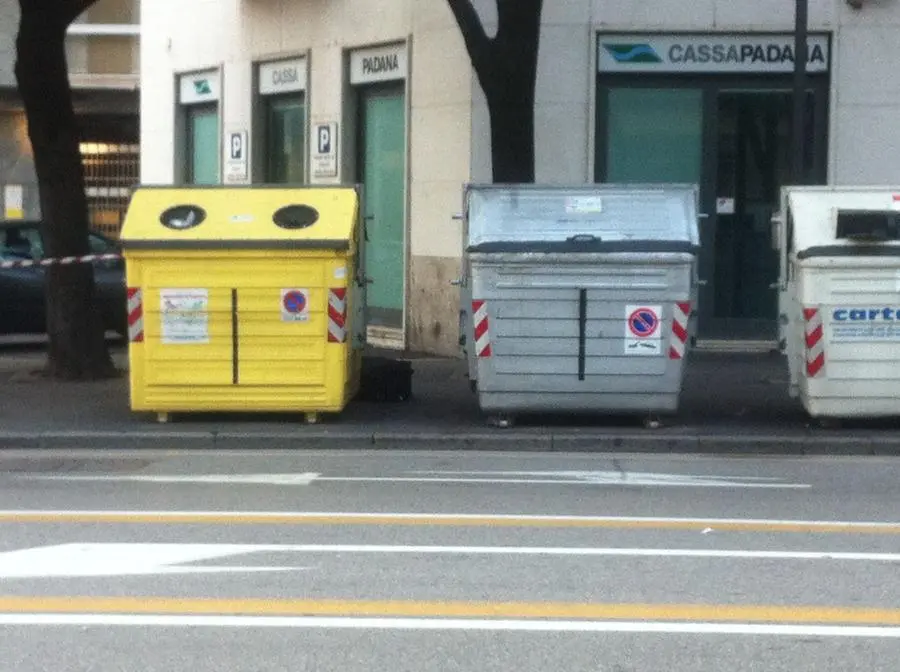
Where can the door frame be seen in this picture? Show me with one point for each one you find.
(387, 337)
(710, 86)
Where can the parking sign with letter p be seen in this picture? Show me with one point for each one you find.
(324, 139)
(235, 152)
(324, 158)
(237, 146)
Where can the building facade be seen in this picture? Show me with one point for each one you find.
(381, 92)
(103, 51)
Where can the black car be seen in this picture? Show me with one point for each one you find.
(22, 301)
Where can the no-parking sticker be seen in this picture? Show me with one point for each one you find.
(294, 305)
(643, 330)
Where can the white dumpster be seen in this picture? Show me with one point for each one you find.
(839, 299)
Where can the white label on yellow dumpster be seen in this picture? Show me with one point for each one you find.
(294, 305)
(184, 315)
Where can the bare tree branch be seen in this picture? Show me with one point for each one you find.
(518, 34)
(58, 13)
(72, 9)
(506, 66)
(478, 44)
(519, 19)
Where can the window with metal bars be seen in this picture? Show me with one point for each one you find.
(111, 171)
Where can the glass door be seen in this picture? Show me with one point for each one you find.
(654, 135)
(203, 145)
(731, 137)
(383, 175)
(285, 134)
(753, 161)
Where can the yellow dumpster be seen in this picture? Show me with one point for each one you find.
(244, 299)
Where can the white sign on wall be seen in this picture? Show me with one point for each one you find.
(199, 87)
(382, 64)
(287, 76)
(236, 160)
(14, 201)
(324, 149)
(709, 53)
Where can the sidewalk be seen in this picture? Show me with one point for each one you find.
(731, 403)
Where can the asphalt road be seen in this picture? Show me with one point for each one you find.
(416, 561)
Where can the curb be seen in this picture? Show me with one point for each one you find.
(537, 441)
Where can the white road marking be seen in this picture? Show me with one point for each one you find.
(138, 559)
(484, 625)
(215, 479)
(82, 560)
(429, 455)
(616, 478)
(611, 475)
(163, 515)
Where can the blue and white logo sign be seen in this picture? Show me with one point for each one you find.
(864, 323)
(708, 53)
(643, 330)
(632, 53)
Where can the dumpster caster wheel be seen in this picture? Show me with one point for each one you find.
(652, 423)
(312, 418)
(163, 418)
(502, 421)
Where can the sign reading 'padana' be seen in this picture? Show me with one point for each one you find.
(381, 64)
(708, 53)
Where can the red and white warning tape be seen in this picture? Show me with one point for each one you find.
(85, 259)
(481, 325)
(680, 317)
(135, 315)
(337, 315)
(815, 343)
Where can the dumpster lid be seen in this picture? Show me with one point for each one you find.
(840, 221)
(615, 216)
(252, 217)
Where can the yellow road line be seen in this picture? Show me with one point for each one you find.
(415, 609)
(428, 520)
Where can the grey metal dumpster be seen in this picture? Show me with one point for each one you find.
(578, 299)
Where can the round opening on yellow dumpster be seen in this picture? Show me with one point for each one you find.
(296, 216)
(182, 217)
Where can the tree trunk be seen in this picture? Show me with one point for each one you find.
(511, 111)
(77, 349)
(506, 66)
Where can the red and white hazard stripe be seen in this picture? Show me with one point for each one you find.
(135, 315)
(87, 258)
(815, 341)
(337, 315)
(482, 332)
(681, 315)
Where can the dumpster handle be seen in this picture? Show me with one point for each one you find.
(582, 327)
(582, 238)
(235, 366)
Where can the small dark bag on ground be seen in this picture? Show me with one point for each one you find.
(385, 380)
